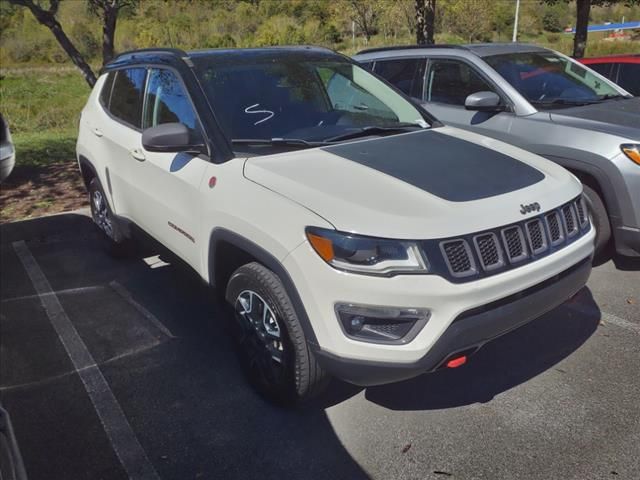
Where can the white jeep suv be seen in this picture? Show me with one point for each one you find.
(350, 232)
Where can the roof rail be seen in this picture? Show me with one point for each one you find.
(411, 47)
(174, 51)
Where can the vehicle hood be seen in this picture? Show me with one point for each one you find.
(427, 184)
(617, 117)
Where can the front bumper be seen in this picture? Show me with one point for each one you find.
(468, 332)
(320, 287)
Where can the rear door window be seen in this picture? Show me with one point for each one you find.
(127, 95)
(451, 81)
(407, 74)
(629, 77)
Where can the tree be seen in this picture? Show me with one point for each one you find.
(425, 21)
(47, 17)
(583, 7)
(365, 14)
(107, 11)
(470, 19)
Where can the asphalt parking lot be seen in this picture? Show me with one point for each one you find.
(122, 369)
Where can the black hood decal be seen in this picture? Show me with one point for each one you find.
(452, 169)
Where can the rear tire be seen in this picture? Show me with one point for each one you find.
(114, 242)
(271, 345)
(600, 219)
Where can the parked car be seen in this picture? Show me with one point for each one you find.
(539, 100)
(621, 69)
(360, 239)
(7, 151)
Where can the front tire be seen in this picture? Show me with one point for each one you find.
(271, 345)
(111, 236)
(600, 219)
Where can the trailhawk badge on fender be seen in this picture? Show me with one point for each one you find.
(532, 207)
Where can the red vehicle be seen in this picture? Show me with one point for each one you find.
(622, 69)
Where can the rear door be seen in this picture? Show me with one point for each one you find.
(448, 82)
(166, 184)
(119, 133)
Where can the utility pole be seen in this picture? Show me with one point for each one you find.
(515, 23)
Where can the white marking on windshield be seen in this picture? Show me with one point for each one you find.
(269, 113)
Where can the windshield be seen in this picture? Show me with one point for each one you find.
(315, 100)
(546, 78)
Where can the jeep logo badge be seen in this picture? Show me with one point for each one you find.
(532, 207)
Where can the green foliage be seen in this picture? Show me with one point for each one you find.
(44, 148)
(40, 99)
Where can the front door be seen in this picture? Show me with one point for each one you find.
(167, 184)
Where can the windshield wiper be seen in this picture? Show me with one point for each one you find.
(610, 96)
(277, 142)
(366, 131)
(564, 101)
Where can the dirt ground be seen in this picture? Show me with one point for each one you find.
(33, 191)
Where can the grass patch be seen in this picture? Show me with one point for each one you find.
(36, 101)
(45, 148)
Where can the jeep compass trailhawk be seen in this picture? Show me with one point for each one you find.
(350, 232)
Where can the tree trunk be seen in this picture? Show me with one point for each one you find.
(108, 33)
(582, 22)
(425, 21)
(48, 19)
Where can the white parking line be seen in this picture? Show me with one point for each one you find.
(124, 293)
(58, 292)
(124, 442)
(606, 317)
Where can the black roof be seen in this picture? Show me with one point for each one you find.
(175, 55)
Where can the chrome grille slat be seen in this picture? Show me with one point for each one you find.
(489, 251)
(570, 220)
(554, 226)
(536, 236)
(514, 243)
(581, 209)
(458, 257)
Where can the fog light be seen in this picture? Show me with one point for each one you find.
(381, 324)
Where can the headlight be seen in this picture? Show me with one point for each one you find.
(369, 255)
(631, 150)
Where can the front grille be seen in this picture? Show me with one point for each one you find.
(490, 252)
(458, 257)
(536, 236)
(514, 242)
(570, 221)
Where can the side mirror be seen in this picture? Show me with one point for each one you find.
(484, 102)
(169, 138)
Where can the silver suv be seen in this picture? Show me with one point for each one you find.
(539, 100)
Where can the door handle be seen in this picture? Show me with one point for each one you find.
(137, 154)
(97, 132)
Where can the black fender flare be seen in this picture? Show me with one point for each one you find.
(221, 234)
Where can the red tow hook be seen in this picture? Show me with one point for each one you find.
(457, 361)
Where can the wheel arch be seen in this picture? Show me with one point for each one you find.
(229, 250)
(87, 170)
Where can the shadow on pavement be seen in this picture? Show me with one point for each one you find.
(185, 398)
(500, 365)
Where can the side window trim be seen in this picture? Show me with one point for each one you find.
(176, 73)
(503, 96)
